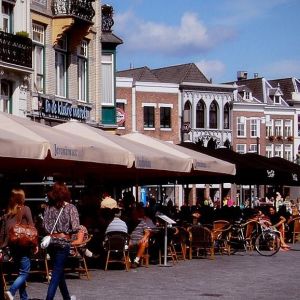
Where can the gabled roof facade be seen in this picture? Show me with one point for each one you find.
(180, 73)
(173, 74)
(287, 85)
(139, 74)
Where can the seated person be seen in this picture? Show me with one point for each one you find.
(117, 224)
(139, 237)
(278, 221)
(295, 214)
(78, 243)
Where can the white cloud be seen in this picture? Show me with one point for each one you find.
(242, 11)
(191, 36)
(211, 68)
(283, 68)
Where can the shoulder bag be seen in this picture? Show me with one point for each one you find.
(23, 235)
(47, 239)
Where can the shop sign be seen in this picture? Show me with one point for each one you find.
(120, 114)
(64, 110)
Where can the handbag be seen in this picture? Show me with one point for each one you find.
(23, 235)
(46, 240)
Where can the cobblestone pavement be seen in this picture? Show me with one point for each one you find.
(240, 276)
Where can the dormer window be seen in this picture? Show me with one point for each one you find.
(276, 99)
(247, 95)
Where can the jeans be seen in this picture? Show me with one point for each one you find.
(58, 255)
(20, 283)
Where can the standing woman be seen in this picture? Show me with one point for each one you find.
(59, 248)
(18, 212)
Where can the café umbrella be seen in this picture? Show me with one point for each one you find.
(21, 138)
(145, 157)
(201, 162)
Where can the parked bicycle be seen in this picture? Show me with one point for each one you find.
(250, 235)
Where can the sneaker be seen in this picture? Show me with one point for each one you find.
(73, 297)
(8, 295)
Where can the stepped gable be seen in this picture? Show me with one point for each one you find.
(180, 73)
(138, 74)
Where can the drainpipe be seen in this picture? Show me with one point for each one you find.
(133, 112)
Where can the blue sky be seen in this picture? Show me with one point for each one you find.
(220, 36)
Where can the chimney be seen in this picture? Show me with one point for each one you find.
(242, 75)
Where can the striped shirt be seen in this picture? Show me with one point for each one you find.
(138, 233)
(117, 225)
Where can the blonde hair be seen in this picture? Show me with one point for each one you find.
(17, 199)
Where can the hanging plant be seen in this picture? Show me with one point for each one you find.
(271, 138)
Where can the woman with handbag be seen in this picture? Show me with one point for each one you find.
(18, 213)
(61, 220)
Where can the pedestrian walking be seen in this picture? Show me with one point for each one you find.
(62, 218)
(18, 212)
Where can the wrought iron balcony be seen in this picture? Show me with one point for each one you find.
(81, 9)
(15, 49)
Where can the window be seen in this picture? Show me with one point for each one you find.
(7, 10)
(165, 117)
(253, 148)
(246, 95)
(82, 53)
(269, 129)
(269, 151)
(61, 67)
(288, 128)
(5, 97)
(278, 150)
(226, 116)
(253, 127)
(149, 117)
(278, 127)
(107, 79)
(276, 99)
(241, 127)
(298, 125)
(241, 148)
(187, 114)
(288, 152)
(38, 38)
(213, 115)
(200, 108)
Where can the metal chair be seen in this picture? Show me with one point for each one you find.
(116, 246)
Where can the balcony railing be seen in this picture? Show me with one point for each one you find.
(15, 49)
(81, 9)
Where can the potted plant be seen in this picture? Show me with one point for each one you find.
(24, 34)
(290, 138)
(279, 138)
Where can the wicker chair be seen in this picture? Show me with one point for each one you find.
(201, 239)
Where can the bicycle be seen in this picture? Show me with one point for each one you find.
(253, 234)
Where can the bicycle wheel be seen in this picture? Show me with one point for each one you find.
(267, 244)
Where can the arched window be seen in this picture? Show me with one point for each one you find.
(187, 113)
(200, 115)
(213, 115)
(226, 116)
